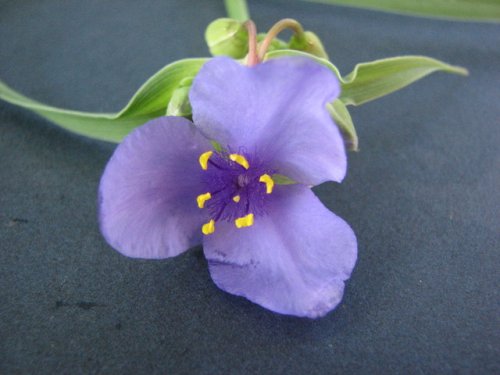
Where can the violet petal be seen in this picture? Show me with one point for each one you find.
(276, 109)
(292, 261)
(147, 194)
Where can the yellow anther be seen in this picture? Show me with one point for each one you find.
(245, 221)
(204, 159)
(208, 228)
(236, 198)
(265, 178)
(240, 159)
(202, 198)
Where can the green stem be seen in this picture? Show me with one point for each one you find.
(237, 9)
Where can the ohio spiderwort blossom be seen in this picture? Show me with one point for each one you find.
(167, 188)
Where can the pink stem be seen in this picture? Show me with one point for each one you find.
(253, 57)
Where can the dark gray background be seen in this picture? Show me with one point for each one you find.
(422, 197)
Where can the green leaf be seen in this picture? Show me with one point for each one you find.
(465, 10)
(343, 119)
(369, 81)
(372, 80)
(148, 102)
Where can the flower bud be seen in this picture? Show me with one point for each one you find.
(308, 42)
(227, 37)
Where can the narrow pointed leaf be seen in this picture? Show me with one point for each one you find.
(372, 80)
(148, 102)
(465, 10)
(369, 81)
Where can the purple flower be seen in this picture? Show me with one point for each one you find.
(167, 189)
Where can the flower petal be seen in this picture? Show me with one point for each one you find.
(276, 108)
(147, 194)
(292, 261)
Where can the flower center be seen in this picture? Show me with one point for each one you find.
(236, 188)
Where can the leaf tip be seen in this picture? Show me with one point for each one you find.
(460, 70)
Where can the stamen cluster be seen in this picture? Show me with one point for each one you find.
(237, 186)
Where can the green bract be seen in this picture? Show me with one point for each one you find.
(342, 118)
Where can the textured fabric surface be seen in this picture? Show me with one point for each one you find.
(421, 195)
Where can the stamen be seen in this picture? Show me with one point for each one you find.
(202, 198)
(208, 228)
(236, 198)
(265, 178)
(240, 159)
(204, 159)
(245, 221)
